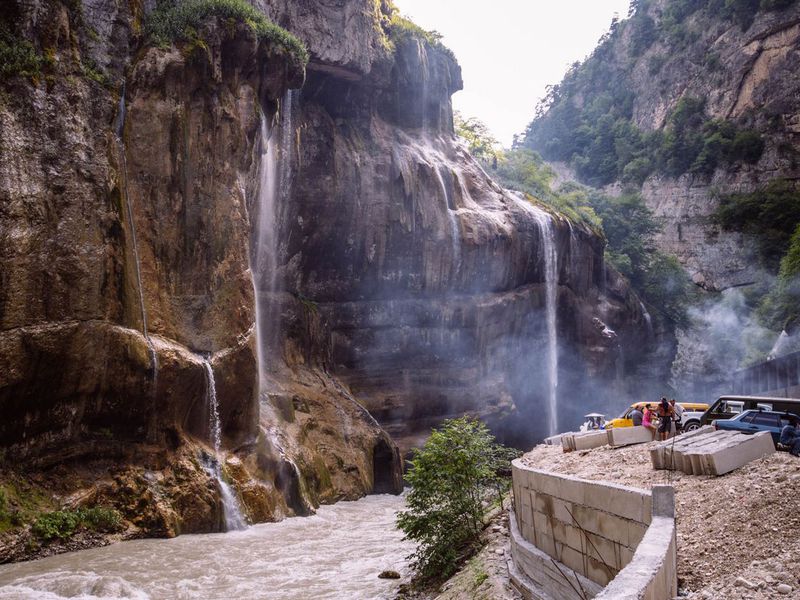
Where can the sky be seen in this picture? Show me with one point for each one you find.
(510, 50)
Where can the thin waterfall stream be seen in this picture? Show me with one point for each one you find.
(550, 256)
(119, 131)
(232, 512)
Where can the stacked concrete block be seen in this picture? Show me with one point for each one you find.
(591, 528)
(709, 452)
(625, 436)
(584, 440)
(721, 461)
(661, 454)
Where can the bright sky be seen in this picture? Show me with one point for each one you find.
(509, 50)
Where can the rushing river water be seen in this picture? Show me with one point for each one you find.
(338, 553)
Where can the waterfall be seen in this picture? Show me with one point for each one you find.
(119, 130)
(274, 180)
(550, 254)
(230, 504)
(452, 217)
(648, 320)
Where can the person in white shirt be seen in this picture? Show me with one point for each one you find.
(677, 411)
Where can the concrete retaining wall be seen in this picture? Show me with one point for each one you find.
(571, 537)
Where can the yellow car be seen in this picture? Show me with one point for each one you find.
(624, 420)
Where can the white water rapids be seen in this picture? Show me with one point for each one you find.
(336, 554)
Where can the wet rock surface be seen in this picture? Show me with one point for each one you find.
(411, 286)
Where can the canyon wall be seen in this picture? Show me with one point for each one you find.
(408, 287)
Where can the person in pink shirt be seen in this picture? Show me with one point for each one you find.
(647, 420)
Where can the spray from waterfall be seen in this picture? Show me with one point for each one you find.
(119, 131)
(550, 255)
(230, 504)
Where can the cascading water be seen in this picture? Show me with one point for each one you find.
(648, 320)
(119, 130)
(274, 179)
(230, 504)
(274, 186)
(452, 217)
(550, 254)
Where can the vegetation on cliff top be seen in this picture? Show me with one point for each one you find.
(399, 28)
(587, 119)
(180, 20)
(451, 477)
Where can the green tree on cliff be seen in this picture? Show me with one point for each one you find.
(451, 477)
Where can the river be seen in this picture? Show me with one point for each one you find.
(335, 554)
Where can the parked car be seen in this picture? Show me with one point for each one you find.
(753, 421)
(727, 407)
(692, 413)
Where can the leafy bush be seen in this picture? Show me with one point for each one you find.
(18, 56)
(179, 20)
(60, 524)
(63, 524)
(450, 476)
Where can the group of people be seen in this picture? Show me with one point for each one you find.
(661, 419)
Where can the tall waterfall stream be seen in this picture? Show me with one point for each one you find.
(119, 131)
(335, 554)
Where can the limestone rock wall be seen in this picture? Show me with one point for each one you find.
(428, 277)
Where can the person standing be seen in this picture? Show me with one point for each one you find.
(636, 416)
(665, 414)
(677, 411)
(647, 420)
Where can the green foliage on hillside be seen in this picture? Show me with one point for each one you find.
(770, 214)
(180, 20)
(18, 56)
(458, 468)
(780, 308)
(587, 119)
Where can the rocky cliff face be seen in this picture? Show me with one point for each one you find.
(407, 285)
(746, 75)
(428, 278)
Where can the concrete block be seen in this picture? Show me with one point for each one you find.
(663, 501)
(624, 436)
(636, 532)
(732, 457)
(594, 439)
(618, 500)
(572, 489)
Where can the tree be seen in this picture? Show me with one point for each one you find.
(482, 143)
(451, 475)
